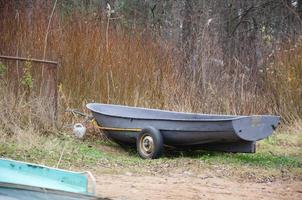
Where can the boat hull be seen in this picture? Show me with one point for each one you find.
(186, 129)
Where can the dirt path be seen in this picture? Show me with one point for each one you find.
(134, 187)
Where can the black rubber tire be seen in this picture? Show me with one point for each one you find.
(157, 143)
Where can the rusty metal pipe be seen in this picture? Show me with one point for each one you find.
(52, 63)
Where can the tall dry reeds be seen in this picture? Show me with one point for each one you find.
(22, 116)
(283, 77)
(130, 66)
(130, 72)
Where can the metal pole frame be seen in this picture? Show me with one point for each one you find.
(50, 63)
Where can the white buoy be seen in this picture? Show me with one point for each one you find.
(79, 130)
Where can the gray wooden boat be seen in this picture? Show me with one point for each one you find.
(151, 129)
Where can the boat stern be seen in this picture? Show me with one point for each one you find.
(257, 127)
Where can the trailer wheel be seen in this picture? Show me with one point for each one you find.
(149, 143)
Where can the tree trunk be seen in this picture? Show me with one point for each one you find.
(188, 39)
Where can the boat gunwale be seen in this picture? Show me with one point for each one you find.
(30, 188)
(232, 117)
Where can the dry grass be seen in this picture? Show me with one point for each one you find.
(28, 134)
(284, 81)
(139, 69)
(24, 117)
(130, 72)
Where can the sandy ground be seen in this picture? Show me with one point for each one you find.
(180, 186)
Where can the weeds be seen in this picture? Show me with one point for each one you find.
(2, 69)
(264, 160)
(22, 116)
(284, 81)
(120, 65)
(100, 157)
(27, 80)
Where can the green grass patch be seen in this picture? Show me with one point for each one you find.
(69, 151)
(265, 160)
(276, 153)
